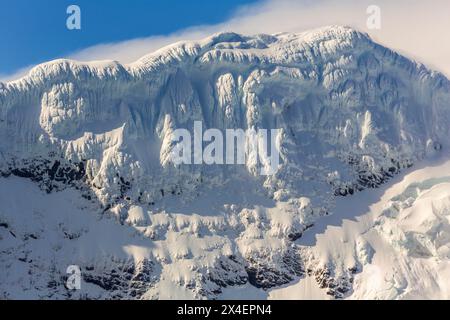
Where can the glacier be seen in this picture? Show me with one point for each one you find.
(89, 144)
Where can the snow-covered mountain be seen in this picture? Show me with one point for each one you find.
(87, 179)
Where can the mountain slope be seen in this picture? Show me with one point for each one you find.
(398, 237)
(352, 114)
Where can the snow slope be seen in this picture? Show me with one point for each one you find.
(96, 136)
(398, 239)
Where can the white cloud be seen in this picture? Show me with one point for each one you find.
(15, 75)
(416, 28)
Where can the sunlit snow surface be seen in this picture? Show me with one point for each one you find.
(398, 234)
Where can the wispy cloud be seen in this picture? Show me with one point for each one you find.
(15, 75)
(414, 27)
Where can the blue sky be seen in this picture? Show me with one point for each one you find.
(33, 31)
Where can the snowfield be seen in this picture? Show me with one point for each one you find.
(398, 237)
(358, 209)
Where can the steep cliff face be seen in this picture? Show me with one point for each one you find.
(352, 114)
